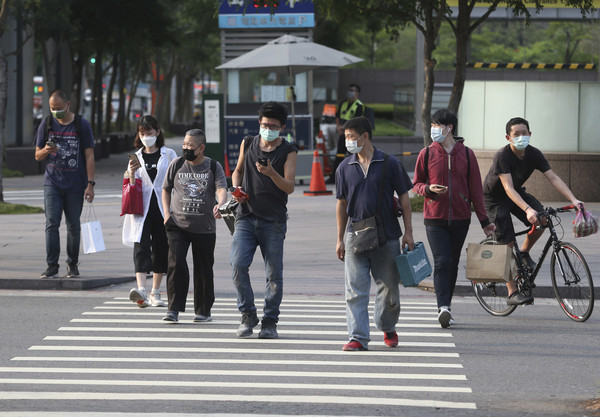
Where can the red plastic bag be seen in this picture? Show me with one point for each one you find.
(585, 224)
(133, 197)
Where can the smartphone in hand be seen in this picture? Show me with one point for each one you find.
(133, 158)
(50, 143)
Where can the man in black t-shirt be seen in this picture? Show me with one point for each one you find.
(504, 193)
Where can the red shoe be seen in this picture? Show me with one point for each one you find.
(391, 339)
(354, 345)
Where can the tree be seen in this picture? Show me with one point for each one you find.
(427, 16)
(19, 9)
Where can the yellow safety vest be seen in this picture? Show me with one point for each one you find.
(347, 112)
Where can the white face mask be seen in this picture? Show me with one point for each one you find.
(520, 142)
(437, 134)
(352, 146)
(148, 141)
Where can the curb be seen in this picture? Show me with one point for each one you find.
(60, 283)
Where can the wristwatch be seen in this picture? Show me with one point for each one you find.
(92, 182)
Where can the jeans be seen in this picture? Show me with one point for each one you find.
(446, 244)
(178, 273)
(55, 202)
(381, 264)
(251, 232)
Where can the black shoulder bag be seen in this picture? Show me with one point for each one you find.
(369, 233)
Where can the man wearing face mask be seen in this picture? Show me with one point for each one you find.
(66, 143)
(357, 185)
(352, 107)
(266, 171)
(505, 195)
(447, 175)
(190, 209)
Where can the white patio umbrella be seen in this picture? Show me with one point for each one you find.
(293, 54)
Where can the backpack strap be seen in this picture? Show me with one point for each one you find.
(47, 122)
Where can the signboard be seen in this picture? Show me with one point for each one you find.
(238, 127)
(212, 121)
(252, 14)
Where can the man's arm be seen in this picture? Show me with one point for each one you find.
(287, 183)
(561, 187)
(238, 172)
(407, 237)
(90, 167)
(342, 220)
(166, 202)
(221, 199)
(509, 188)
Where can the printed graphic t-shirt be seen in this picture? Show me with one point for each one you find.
(65, 169)
(193, 195)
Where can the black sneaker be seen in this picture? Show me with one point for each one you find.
(50, 272)
(72, 271)
(518, 298)
(268, 329)
(171, 316)
(249, 322)
(527, 261)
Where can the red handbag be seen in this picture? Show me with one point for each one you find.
(133, 197)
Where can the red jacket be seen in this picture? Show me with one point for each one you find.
(450, 170)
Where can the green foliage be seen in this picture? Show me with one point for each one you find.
(416, 203)
(386, 127)
(9, 208)
(11, 173)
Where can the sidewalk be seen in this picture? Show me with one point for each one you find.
(311, 266)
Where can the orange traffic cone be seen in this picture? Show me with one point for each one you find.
(227, 170)
(317, 181)
(323, 148)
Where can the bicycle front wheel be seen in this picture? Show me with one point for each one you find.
(492, 295)
(572, 282)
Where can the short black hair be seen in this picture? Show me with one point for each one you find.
(63, 96)
(360, 125)
(445, 117)
(516, 121)
(198, 135)
(273, 110)
(355, 86)
(148, 122)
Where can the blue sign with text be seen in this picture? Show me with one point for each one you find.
(244, 14)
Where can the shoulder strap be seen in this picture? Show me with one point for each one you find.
(468, 163)
(426, 162)
(48, 123)
(382, 182)
(213, 167)
(178, 166)
(78, 126)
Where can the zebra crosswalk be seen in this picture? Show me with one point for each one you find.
(117, 358)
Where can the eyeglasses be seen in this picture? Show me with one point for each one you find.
(270, 126)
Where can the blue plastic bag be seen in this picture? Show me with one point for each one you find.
(413, 266)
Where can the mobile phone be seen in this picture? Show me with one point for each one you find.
(263, 161)
(133, 157)
(50, 143)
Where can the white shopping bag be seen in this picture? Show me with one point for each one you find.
(91, 233)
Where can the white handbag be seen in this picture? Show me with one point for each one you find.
(91, 232)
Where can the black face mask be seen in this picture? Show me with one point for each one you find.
(189, 154)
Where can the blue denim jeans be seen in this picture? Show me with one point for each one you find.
(381, 264)
(446, 244)
(251, 232)
(55, 202)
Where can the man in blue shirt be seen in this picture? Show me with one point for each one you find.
(357, 183)
(70, 168)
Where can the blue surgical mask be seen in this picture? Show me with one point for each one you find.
(352, 146)
(269, 135)
(351, 94)
(437, 134)
(520, 142)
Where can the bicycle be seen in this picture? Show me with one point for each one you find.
(571, 278)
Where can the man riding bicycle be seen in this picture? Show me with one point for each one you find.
(504, 194)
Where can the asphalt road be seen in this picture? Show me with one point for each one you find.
(97, 354)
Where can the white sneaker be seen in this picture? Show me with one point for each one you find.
(445, 317)
(155, 300)
(139, 297)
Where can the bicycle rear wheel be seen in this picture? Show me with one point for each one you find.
(492, 295)
(572, 282)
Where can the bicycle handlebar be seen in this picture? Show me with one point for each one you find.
(549, 211)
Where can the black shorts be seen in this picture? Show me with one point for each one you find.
(500, 212)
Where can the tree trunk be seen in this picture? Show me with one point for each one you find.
(462, 35)
(3, 101)
(109, 91)
(429, 65)
(132, 93)
(122, 95)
